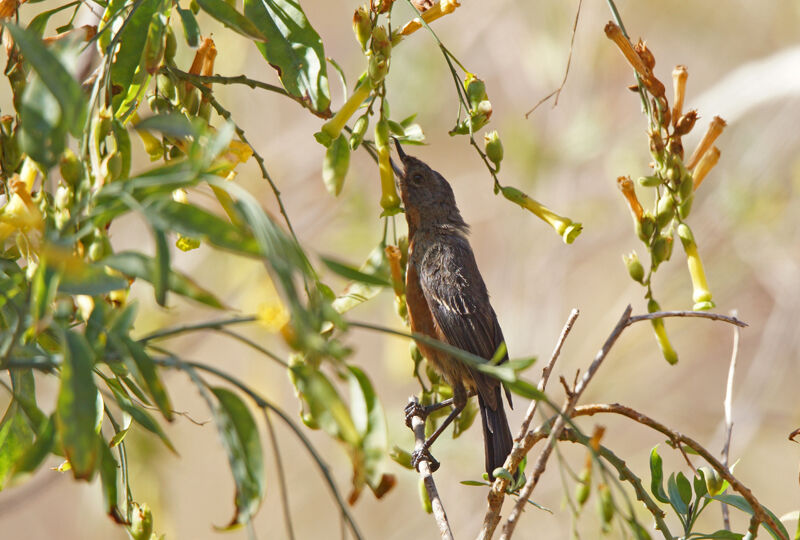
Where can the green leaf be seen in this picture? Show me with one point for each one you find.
(108, 477)
(521, 364)
(684, 488)
(370, 422)
(348, 272)
(675, 496)
(657, 476)
(80, 277)
(227, 15)
(141, 416)
(741, 503)
(55, 76)
(15, 438)
(162, 267)
(699, 482)
(147, 369)
(38, 23)
(242, 444)
(721, 534)
(525, 389)
(294, 48)
(172, 125)
(143, 267)
(190, 220)
(376, 265)
(76, 406)
(36, 453)
(120, 435)
(190, 27)
(325, 405)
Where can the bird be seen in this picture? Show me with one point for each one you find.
(447, 300)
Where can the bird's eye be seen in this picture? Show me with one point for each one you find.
(416, 178)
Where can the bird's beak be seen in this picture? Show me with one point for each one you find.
(397, 171)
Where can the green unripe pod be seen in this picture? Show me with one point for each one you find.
(359, 129)
(645, 227)
(382, 133)
(584, 487)
(685, 207)
(606, 503)
(649, 181)
(634, 266)
(476, 91)
(665, 211)
(71, 168)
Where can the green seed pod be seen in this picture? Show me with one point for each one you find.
(649, 181)
(476, 91)
(606, 503)
(653, 306)
(359, 129)
(584, 487)
(171, 45)
(634, 266)
(361, 26)
(382, 133)
(494, 148)
(377, 69)
(665, 211)
(166, 87)
(155, 45)
(381, 44)
(685, 207)
(335, 165)
(687, 185)
(645, 227)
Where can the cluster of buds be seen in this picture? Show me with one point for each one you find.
(480, 108)
(673, 178)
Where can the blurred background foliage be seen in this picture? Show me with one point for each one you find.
(742, 60)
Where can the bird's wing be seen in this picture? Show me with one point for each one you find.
(459, 303)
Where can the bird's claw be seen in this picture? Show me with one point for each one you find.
(418, 456)
(414, 409)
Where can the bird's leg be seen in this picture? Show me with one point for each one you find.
(414, 408)
(459, 401)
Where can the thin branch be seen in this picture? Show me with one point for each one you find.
(727, 405)
(250, 343)
(759, 512)
(497, 493)
(560, 424)
(287, 515)
(426, 475)
(557, 91)
(699, 314)
(208, 325)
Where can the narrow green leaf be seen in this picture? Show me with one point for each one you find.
(54, 75)
(127, 73)
(657, 476)
(721, 534)
(120, 435)
(24, 387)
(227, 15)
(76, 406)
(684, 488)
(348, 272)
(44, 286)
(699, 483)
(148, 370)
(108, 478)
(90, 279)
(162, 267)
(358, 292)
(525, 389)
(192, 221)
(190, 27)
(141, 416)
(39, 23)
(294, 48)
(241, 441)
(173, 125)
(143, 267)
(675, 498)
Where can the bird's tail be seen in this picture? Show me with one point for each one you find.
(496, 433)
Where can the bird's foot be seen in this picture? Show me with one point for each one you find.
(414, 408)
(418, 456)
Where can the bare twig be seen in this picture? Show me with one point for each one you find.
(560, 424)
(497, 493)
(700, 314)
(727, 405)
(557, 91)
(425, 473)
(284, 491)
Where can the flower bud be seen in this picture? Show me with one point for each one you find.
(71, 168)
(359, 129)
(378, 68)
(606, 503)
(381, 43)
(714, 482)
(661, 249)
(584, 487)
(679, 76)
(634, 266)
(649, 181)
(361, 26)
(494, 148)
(476, 91)
(665, 211)
(685, 207)
(645, 227)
